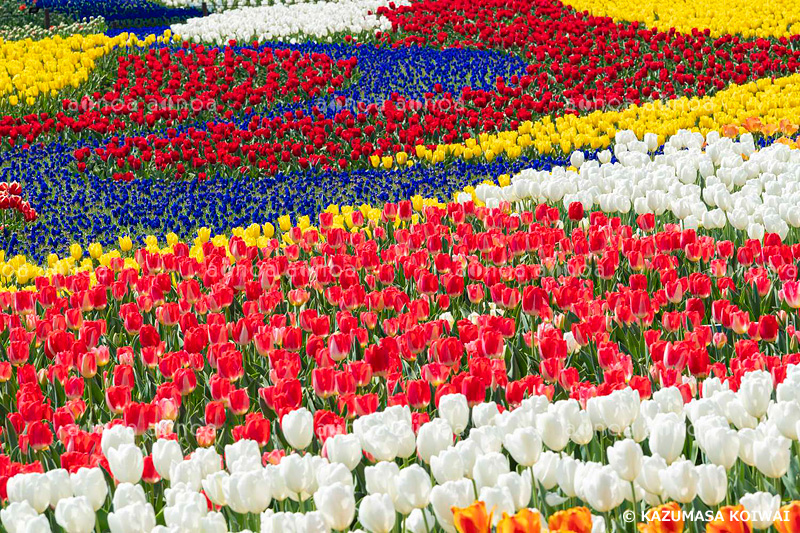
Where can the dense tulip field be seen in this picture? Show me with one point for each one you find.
(399, 267)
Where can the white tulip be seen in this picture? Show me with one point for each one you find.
(762, 508)
(376, 513)
(298, 428)
(454, 409)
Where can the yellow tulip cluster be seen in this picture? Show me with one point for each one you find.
(772, 102)
(743, 17)
(30, 69)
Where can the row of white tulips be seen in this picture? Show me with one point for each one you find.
(636, 452)
(286, 22)
(217, 6)
(713, 185)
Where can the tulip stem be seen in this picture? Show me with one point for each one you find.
(635, 510)
(425, 520)
(534, 490)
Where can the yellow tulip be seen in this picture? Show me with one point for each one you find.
(125, 243)
(285, 222)
(76, 251)
(95, 250)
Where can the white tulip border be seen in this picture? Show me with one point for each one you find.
(291, 22)
(712, 182)
(418, 479)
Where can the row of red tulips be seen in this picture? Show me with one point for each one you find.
(214, 342)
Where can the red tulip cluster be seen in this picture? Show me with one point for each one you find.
(218, 342)
(11, 202)
(591, 61)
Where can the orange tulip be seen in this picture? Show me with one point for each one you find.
(730, 130)
(576, 520)
(789, 520)
(472, 519)
(752, 123)
(787, 127)
(769, 130)
(525, 521)
(665, 518)
(729, 520)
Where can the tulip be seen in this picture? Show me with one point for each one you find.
(474, 518)
(249, 492)
(603, 489)
(433, 437)
(483, 414)
(337, 504)
(344, 449)
(136, 517)
(574, 519)
(165, 454)
(712, 484)
(721, 446)
(524, 445)
(625, 457)
(216, 487)
(789, 518)
(545, 470)
(650, 474)
(330, 473)
(381, 477)
(667, 435)
(381, 442)
(488, 468)
(755, 392)
(60, 486)
(729, 519)
(20, 517)
(128, 494)
(33, 488)
(126, 463)
(75, 515)
(376, 513)
(188, 473)
(455, 410)
(444, 498)
(772, 455)
(420, 521)
(297, 473)
(90, 482)
(298, 428)
(519, 487)
(680, 481)
(499, 500)
(762, 508)
(411, 489)
(786, 416)
(242, 456)
(116, 436)
(551, 428)
(447, 466)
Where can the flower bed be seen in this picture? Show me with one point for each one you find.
(242, 340)
(371, 285)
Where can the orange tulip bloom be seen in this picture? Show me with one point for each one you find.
(787, 127)
(577, 520)
(525, 521)
(789, 521)
(730, 130)
(472, 519)
(769, 130)
(729, 520)
(752, 123)
(665, 518)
